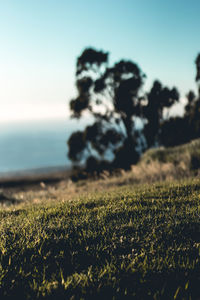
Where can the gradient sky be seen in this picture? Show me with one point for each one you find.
(41, 39)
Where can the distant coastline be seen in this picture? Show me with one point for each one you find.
(33, 177)
(36, 146)
(34, 172)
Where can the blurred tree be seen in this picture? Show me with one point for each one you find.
(192, 108)
(197, 62)
(175, 131)
(112, 96)
(158, 100)
(179, 130)
(196, 110)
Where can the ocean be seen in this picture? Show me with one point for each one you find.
(35, 145)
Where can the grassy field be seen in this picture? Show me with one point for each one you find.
(121, 242)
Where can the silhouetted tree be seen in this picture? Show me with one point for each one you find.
(192, 108)
(158, 99)
(112, 96)
(179, 130)
(197, 62)
(175, 131)
(196, 111)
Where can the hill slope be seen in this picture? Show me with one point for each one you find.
(188, 154)
(129, 242)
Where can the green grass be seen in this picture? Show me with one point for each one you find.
(134, 242)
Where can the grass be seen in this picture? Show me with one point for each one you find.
(186, 156)
(124, 242)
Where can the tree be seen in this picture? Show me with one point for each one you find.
(196, 111)
(197, 62)
(179, 130)
(192, 108)
(112, 96)
(158, 99)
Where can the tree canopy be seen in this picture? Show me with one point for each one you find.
(111, 95)
(114, 98)
(182, 129)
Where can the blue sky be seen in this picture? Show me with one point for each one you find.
(41, 39)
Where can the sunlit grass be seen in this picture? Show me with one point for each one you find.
(139, 242)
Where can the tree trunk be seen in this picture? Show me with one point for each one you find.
(128, 124)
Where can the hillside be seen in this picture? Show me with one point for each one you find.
(187, 155)
(85, 242)
(135, 235)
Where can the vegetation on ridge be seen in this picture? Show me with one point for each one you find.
(114, 98)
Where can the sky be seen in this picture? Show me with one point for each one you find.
(40, 41)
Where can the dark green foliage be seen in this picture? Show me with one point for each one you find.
(137, 242)
(111, 95)
(175, 131)
(178, 130)
(195, 160)
(90, 58)
(191, 97)
(77, 145)
(158, 99)
(124, 156)
(197, 62)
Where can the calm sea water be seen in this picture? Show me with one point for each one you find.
(30, 145)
